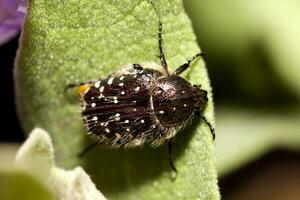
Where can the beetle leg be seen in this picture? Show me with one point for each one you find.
(170, 144)
(183, 67)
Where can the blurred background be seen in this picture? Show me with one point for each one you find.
(251, 50)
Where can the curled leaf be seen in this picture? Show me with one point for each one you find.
(35, 159)
(36, 154)
(74, 184)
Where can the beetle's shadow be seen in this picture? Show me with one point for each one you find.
(115, 170)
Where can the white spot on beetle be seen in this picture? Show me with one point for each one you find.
(126, 121)
(121, 78)
(117, 115)
(93, 105)
(97, 84)
(109, 82)
(95, 118)
(184, 105)
(107, 130)
(127, 129)
(122, 92)
(121, 84)
(161, 112)
(115, 99)
(142, 121)
(101, 89)
(137, 89)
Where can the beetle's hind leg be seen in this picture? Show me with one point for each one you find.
(170, 145)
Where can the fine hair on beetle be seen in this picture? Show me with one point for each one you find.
(142, 103)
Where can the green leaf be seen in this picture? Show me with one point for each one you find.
(76, 41)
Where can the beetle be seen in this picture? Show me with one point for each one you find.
(142, 103)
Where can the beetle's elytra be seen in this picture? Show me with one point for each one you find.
(143, 103)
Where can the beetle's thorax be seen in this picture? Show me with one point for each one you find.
(174, 100)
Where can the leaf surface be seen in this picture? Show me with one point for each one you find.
(66, 42)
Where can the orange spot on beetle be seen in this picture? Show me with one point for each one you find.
(82, 89)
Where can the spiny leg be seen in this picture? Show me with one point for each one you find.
(170, 144)
(161, 53)
(183, 67)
